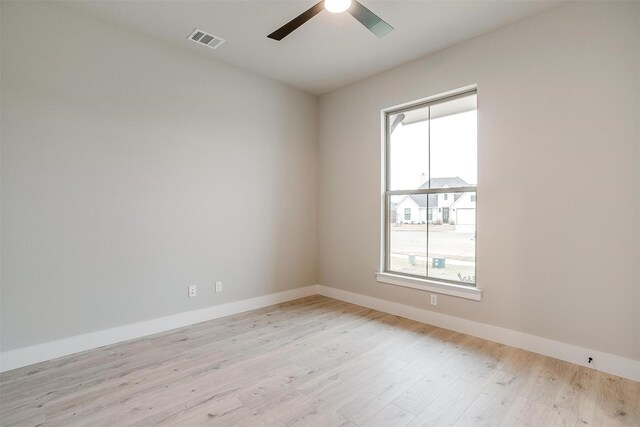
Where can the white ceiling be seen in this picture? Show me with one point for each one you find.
(330, 50)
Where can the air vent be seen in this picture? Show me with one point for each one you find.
(206, 39)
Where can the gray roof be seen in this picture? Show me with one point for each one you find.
(454, 181)
(431, 200)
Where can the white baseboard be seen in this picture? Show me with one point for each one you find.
(50, 350)
(605, 362)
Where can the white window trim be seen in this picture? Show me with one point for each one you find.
(424, 284)
(429, 285)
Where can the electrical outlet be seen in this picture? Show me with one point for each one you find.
(434, 299)
(218, 286)
(193, 291)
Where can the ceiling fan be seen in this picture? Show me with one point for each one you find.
(373, 22)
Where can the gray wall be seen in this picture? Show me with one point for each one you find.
(559, 175)
(131, 169)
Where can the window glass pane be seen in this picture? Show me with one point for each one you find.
(433, 147)
(408, 149)
(452, 241)
(454, 143)
(408, 238)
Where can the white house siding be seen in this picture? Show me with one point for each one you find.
(442, 203)
(423, 215)
(436, 215)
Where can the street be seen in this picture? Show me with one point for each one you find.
(442, 244)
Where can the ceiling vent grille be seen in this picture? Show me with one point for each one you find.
(206, 39)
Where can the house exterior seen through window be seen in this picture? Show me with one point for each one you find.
(431, 170)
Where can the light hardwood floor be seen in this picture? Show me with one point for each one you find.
(314, 362)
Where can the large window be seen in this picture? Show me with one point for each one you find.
(431, 162)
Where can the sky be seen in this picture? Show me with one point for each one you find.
(453, 150)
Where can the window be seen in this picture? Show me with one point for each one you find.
(431, 150)
(407, 214)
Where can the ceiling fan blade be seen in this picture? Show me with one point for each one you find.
(373, 22)
(292, 25)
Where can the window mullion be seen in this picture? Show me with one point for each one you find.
(426, 263)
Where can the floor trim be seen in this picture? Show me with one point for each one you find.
(25, 356)
(605, 362)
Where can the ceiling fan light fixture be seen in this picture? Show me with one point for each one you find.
(337, 6)
(373, 22)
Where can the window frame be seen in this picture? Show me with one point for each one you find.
(407, 213)
(443, 286)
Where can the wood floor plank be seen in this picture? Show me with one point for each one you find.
(432, 385)
(497, 398)
(313, 362)
(448, 407)
(225, 412)
(577, 398)
(390, 416)
(376, 398)
(617, 401)
(527, 413)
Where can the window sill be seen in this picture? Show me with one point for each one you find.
(430, 285)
